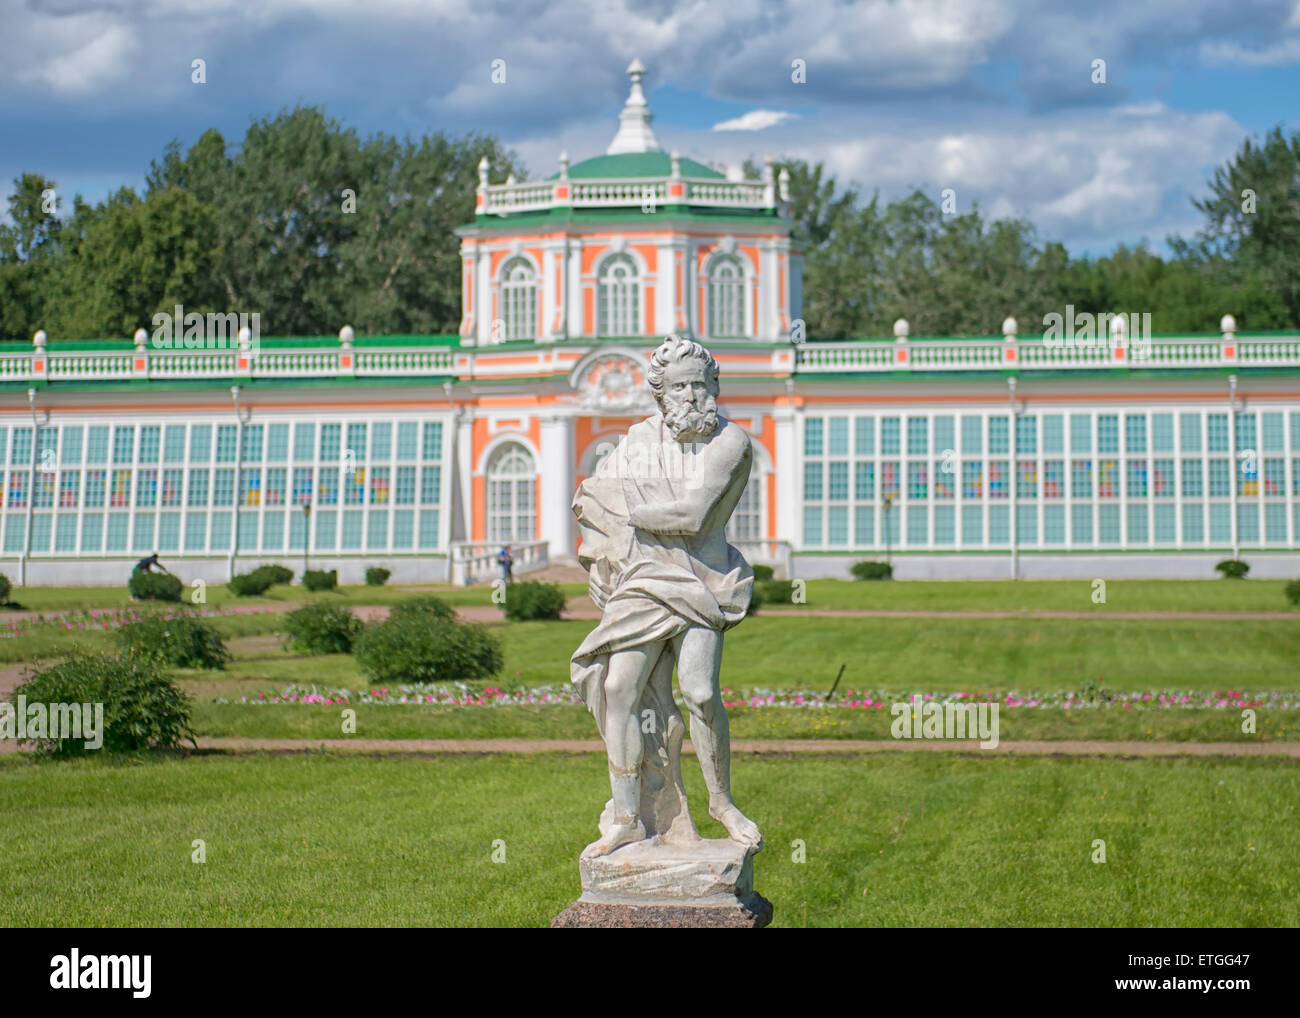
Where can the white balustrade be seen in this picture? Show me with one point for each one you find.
(1285, 351)
(870, 357)
(404, 362)
(474, 562)
(622, 192)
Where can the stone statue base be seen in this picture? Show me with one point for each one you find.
(600, 916)
(701, 883)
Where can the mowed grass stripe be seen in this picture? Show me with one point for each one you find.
(910, 840)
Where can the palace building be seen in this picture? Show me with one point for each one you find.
(1113, 455)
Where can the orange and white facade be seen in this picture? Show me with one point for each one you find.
(1108, 455)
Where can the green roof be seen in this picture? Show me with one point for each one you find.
(637, 164)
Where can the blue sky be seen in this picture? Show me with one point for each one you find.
(994, 99)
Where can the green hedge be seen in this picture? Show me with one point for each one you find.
(869, 570)
(182, 640)
(532, 600)
(423, 607)
(249, 584)
(1232, 569)
(321, 628)
(143, 707)
(319, 579)
(278, 574)
(377, 576)
(415, 648)
(146, 586)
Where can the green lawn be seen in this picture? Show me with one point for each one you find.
(1213, 595)
(60, 599)
(915, 840)
(517, 721)
(971, 655)
(1210, 595)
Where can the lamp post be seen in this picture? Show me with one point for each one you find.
(1235, 462)
(242, 415)
(888, 503)
(1013, 482)
(306, 536)
(31, 484)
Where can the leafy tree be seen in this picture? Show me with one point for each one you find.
(129, 258)
(1253, 215)
(29, 249)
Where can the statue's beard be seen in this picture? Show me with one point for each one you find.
(688, 424)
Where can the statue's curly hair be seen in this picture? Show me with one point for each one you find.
(675, 348)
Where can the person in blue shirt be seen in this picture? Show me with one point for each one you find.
(146, 565)
(506, 561)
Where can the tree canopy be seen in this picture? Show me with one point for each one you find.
(313, 226)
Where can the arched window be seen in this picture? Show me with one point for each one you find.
(511, 491)
(619, 298)
(746, 523)
(518, 300)
(727, 299)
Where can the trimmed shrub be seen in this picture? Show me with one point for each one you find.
(415, 648)
(182, 640)
(321, 628)
(1293, 591)
(249, 584)
(319, 579)
(6, 588)
(278, 574)
(869, 570)
(763, 573)
(377, 576)
(533, 600)
(155, 587)
(778, 591)
(143, 707)
(1233, 569)
(422, 607)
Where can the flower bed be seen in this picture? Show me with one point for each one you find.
(461, 695)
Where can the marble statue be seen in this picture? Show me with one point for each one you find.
(652, 524)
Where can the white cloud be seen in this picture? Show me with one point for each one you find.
(1285, 51)
(87, 54)
(1089, 178)
(755, 120)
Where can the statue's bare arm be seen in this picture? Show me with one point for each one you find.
(725, 463)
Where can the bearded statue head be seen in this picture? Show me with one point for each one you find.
(683, 377)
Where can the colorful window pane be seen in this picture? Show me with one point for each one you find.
(998, 480)
(1054, 482)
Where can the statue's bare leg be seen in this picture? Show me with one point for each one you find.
(628, 672)
(699, 659)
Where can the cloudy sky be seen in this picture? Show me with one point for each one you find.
(995, 99)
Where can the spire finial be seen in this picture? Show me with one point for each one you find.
(634, 133)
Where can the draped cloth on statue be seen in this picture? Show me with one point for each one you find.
(650, 589)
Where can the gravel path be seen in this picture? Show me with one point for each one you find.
(488, 746)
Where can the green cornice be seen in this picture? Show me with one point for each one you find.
(566, 215)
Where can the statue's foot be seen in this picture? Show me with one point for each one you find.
(738, 826)
(616, 836)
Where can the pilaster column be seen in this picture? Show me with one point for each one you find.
(557, 524)
(789, 470)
